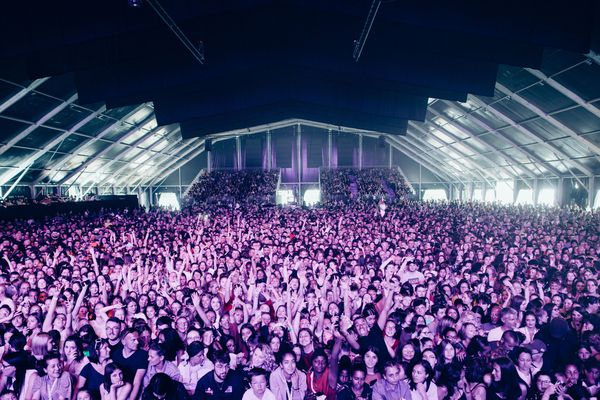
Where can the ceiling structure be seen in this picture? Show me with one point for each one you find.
(108, 96)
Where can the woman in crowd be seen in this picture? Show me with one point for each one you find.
(114, 387)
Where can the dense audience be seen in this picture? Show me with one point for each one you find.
(369, 185)
(246, 186)
(424, 301)
(42, 199)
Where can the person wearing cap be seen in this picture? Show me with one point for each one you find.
(537, 349)
(195, 367)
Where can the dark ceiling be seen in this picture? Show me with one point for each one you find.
(273, 60)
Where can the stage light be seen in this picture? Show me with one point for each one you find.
(135, 3)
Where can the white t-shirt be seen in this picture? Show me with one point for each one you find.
(495, 334)
(249, 395)
(412, 277)
(432, 393)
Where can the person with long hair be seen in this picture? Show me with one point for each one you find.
(446, 352)
(163, 387)
(371, 361)
(420, 381)
(263, 357)
(73, 355)
(505, 381)
(529, 328)
(472, 383)
(114, 387)
(172, 344)
(41, 345)
(92, 374)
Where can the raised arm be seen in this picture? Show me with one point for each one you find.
(333, 360)
(383, 315)
(79, 301)
(196, 302)
(47, 325)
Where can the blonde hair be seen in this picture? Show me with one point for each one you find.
(269, 363)
(39, 345)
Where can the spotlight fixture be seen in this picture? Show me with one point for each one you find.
(134, 3)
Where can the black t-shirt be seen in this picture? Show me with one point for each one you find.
(114, 348)
(232, 388)
(130, 365)
(93, 380)
(375, 339)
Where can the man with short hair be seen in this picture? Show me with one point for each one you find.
(194, 369)
(392, 386)
(508, 317)
(112, 328)
(258, 386)
(132, 361)
(221, 384)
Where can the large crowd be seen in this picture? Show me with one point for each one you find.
(245, 186)
(369, 185)
(424, 301)
(41, 199)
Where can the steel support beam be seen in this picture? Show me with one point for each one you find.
(420, 159)
(479, 121)
(164, 152)
(49, 146)
(194, 151)
(134, 145)
(97, 156)
(482, 142)
(123, 153)
(75, 152)
(465, 160)
(36, 124)
(21, 93)
(269, 155)
(180, 152)
(530, 134)
(564, 91)
(591, 192)
(593, 148)
(433, 150)
(461, 156)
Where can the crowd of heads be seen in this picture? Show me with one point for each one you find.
(42, 199)
(368, 185)
(424, 301)
(245, 186)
